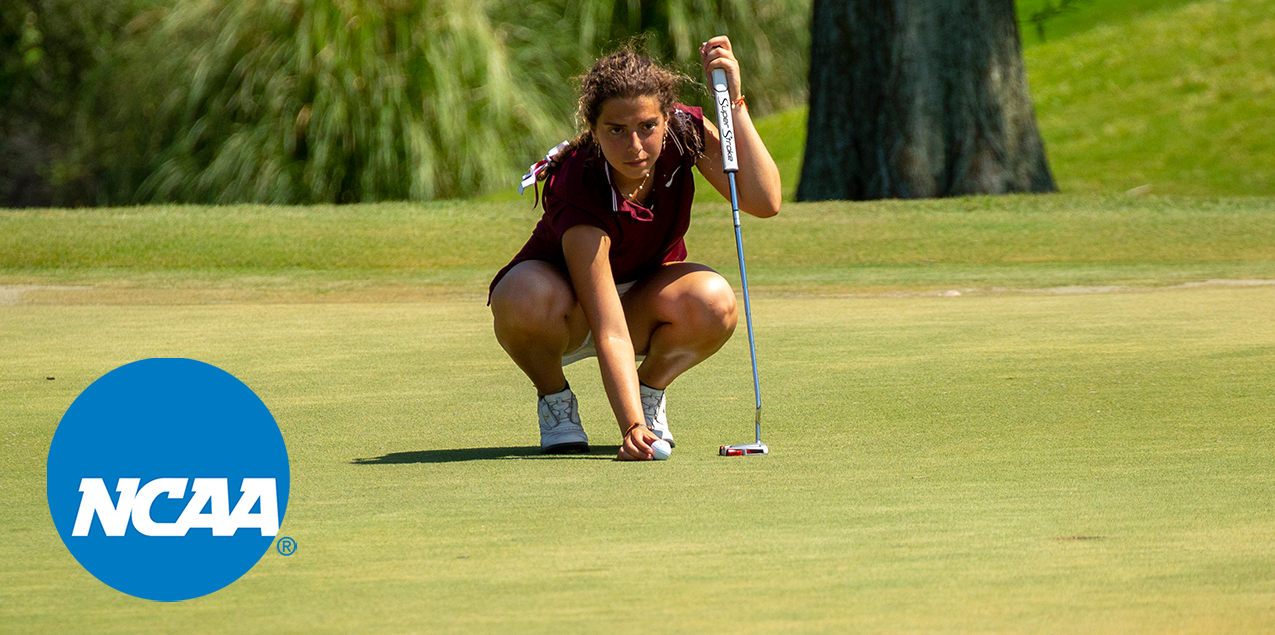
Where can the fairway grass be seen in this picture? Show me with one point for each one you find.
(399, 252)
(998, 464)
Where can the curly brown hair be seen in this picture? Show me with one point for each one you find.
(626, 73)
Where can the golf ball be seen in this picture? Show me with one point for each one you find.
(661, 449)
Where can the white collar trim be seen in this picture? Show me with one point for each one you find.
(615, 201)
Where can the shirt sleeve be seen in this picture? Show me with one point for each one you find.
(564, 216)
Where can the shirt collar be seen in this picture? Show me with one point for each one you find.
(619, 205)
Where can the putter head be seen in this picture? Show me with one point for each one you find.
(744, 449)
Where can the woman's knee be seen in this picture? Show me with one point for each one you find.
(708, 307)
(532, 299)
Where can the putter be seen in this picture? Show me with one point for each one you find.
(730, 163)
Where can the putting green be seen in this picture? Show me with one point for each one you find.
(1044, 463)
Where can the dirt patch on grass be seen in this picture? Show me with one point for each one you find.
(17, 293)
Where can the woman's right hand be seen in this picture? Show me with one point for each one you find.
(637, 445)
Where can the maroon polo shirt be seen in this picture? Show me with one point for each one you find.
(643, 238)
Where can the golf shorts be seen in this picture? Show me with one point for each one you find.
(587, 349)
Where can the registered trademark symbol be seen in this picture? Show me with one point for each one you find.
(286, 546)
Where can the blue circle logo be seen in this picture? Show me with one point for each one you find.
(168, 479)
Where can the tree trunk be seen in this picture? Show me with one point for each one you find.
(918, 99)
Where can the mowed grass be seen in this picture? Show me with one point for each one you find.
(998, 464)
(1085, 15)
(1168, 96)
(1178, 100)
(404, 251)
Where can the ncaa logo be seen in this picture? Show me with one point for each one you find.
(168, 479)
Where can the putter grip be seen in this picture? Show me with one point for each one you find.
(725, 124)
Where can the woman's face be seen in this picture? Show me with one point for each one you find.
(630, 131)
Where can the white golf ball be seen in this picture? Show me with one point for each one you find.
(661, 449)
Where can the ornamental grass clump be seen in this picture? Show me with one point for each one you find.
(340, 101)
(317, 101)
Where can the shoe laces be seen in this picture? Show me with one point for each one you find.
(651, 405)
(561, 411)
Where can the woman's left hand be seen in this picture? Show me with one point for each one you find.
(717, 53)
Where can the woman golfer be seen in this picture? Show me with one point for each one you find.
(604, 271)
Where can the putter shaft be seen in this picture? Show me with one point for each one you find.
(748, 310)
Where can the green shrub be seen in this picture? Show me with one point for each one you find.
(360, 100)
(311, 101)
(48, 52)
(294, 101)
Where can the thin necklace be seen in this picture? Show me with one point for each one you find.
(641, 186)
(646, 178)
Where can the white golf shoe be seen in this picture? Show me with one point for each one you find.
(656, 417)
(560, 429)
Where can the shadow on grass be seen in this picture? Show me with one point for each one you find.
(596, 452)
